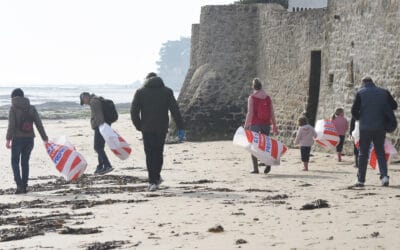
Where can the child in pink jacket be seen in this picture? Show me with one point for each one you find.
(341, 125)
(305, 138)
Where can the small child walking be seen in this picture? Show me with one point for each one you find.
(305, 138)
(341, 125)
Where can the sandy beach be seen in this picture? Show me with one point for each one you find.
(208, 200)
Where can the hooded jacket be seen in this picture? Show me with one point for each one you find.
(96, 111)
(18, 109)
(150, 106)
(305, 136)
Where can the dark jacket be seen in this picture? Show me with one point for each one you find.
(96, 110)
(19, 107)
(369, 106)
(150, 105)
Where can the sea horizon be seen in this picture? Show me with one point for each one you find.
(42, 94)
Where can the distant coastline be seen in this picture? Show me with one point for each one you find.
(63, 110)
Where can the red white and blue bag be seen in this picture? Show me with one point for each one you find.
(68, 161)
(267, 149)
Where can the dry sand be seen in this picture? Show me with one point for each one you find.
(206, 184)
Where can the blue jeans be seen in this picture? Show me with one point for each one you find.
(378, 139)
(154, 147)
(99, 148)
(264, 129)
(21, 149)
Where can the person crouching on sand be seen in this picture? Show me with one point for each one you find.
(20, 136)
(96, 119)
(260, 116)
(305, 138)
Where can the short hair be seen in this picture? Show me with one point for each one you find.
(302, 121)
(257, 84)
(150, 75)
(82, 95)
(366, 79)
(17, 92)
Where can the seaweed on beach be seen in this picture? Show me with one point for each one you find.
(105, 245)
(315, 204)
(78, 231)
(84, 185)
(34, 225)
(203, 181)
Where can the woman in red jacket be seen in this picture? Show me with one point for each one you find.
(260, 116)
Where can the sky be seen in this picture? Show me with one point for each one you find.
(57, 42)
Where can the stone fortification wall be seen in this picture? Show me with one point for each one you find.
(285, 43)
(232, 45)
(235, 43)
(362, 38)
(223, 61)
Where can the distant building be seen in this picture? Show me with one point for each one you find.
(301, 5)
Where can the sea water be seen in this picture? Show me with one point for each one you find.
(69, 93)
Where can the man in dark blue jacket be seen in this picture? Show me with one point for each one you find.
(369, 108)
(149, 114)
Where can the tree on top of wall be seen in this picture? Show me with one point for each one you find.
(174, 62)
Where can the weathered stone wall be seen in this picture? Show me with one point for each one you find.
(232, 45)
(362, 38)
(284, 48)
(213, 94)
(235, 43)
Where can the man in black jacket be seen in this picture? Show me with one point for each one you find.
(149, 114)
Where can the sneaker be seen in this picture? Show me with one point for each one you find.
(359, 184)
(152, 187)
(267, 169)
(105, 170)
(385, 181)
(161, 180)
(19, 190)
(98, 169)
(254, 172)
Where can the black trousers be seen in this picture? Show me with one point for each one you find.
(99, 148)
(154, 148)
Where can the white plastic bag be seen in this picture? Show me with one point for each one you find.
(115, 142)
(327, 135)
(265, 148)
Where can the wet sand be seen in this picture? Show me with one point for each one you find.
(208, 200)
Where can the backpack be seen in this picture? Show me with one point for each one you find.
(262, 108)
(109, 111)
(26, 121)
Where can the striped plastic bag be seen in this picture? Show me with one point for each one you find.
(265, 148)
(327, 135)
(68, 161)
(115, 142)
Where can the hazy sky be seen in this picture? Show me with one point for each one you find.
(89, 41)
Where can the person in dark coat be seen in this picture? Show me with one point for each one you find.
(20, 136)
(368, 108)
(149, 114)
